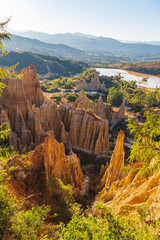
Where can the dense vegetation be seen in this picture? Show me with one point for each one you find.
(136, 98)
(54, 85)
(147, 136)
(103, 224)
(49, 84)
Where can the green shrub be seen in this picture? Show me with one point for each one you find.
(71, 97)
(115, 96)
(27, 224)
(57, 97)
(138, 98)
(93, 96)
(103, 224)
(7, 209)
(146, 144)
(151, 100)
(65, 202)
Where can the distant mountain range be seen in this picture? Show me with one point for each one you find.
(155, 42)
(150, 43)
(44, 64)
(99, 45)
(19, 43)
(57, 38)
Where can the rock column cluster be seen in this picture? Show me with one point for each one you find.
(30, 117)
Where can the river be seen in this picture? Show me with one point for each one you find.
(152, 81)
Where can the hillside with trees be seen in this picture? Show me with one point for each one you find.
(43, 63)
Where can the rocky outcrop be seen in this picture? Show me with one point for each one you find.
(22, 105)
(132, 191)
(120, 113)
(126, 192)
(36, 176)
(83, 102)
(30, 118)
(18, 110)
(100, 109)
(94, 85)
(84, 131)
(49, 118)
(52, 154)
(31, 85)
(115, 169)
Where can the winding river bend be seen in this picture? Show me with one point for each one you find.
(152, 81)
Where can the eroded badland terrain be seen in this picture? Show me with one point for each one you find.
(80, 143)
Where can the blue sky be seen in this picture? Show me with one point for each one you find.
(121, 19)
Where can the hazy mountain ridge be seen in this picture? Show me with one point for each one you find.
(19, 43)
(95, 44)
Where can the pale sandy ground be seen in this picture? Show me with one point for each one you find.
(47, 95)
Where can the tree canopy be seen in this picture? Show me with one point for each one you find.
(4, 35)
(146, 136)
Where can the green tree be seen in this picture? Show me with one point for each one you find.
(4, 128)
(71, 97)
(115, 96)
(105, 225)
(4, 35)
(151, 100)
(147, 138)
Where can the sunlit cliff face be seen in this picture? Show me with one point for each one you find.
(125, 192)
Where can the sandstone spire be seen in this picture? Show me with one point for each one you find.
(83, 102)
(114, 171)
(31, 85)
(120, 113)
